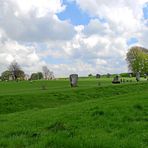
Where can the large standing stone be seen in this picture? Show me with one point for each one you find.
(116, 80)
(138, 76)
(73, 80)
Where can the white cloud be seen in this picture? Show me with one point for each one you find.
(26, 56)
(42, 7)
(30, 28)
(31, 31)
(96, 27)
(122, 16)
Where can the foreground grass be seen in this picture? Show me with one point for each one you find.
(103, 116)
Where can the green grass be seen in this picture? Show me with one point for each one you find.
(97, 114)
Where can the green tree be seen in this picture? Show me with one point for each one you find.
(137, 59)
(20, 74)
(16, 71)
(34, 76)
(40, 75)
(6, 75)
(37, 76)
(90, 75)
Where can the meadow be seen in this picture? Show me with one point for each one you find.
(96, 114)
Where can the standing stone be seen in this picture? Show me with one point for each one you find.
(138, 76)
(116, 80)
(98, 76)
(73, 80)
(121, 80)
(130, 75)
(145, 75)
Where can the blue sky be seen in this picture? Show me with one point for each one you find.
(132, 41)
(74, 14)
(145, 11)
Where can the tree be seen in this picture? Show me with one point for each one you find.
(108, 75)
(16, 71)
(6, 75)
(45, 72)
(36, 76)
(40, 75)
(90, 75)
(48, 75)
(20, 75)
(137, 59)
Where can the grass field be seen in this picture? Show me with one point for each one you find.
(96, 114)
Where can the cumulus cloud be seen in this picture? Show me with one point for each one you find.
(29, 27)
(26, 56)
(123, 17)
(96, 27)
(102, 53)
(41, 7)
(31, 31)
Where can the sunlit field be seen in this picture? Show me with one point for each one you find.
(96, 114)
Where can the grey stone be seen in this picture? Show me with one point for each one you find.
(138, 76)
(116, 79)
(98, 75)
(121, 80)
(145, 75)
(130, 75)
(73, 80)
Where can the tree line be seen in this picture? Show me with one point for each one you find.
(15, 72)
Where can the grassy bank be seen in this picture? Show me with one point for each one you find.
(91, 115)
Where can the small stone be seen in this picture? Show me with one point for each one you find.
(98, 75)
(138, 76)
(116, 80)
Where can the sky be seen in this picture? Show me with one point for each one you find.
(71, 36)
